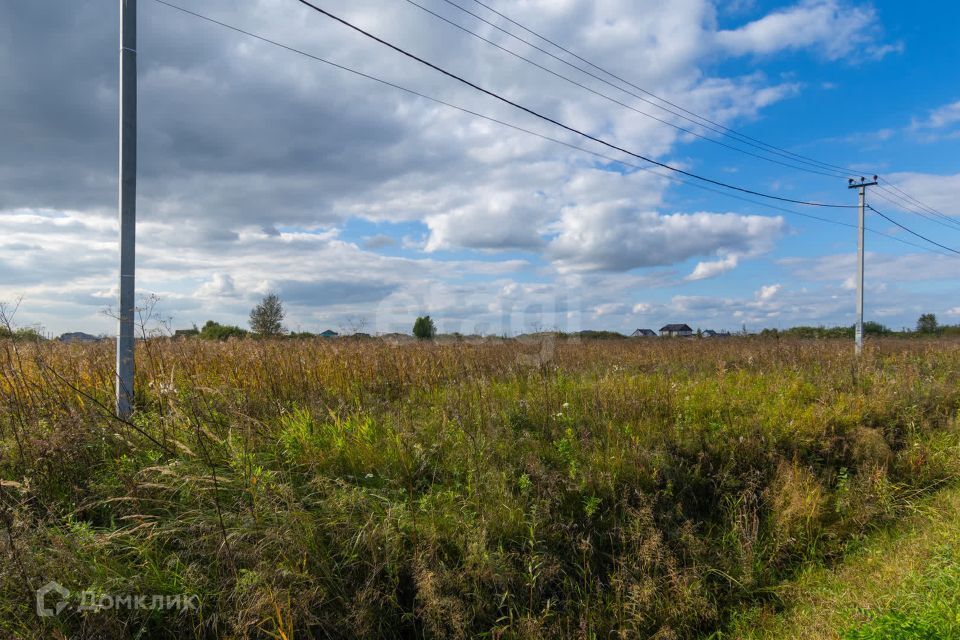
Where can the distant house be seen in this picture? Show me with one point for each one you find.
(644, 333)
(676, 331)
(329, 334)
(78, 336)
(710, 333)
(397, 338)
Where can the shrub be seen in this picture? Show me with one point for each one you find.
(21, 335)
(216, 331)
(424, 329)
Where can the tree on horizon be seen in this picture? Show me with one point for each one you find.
(927, 323)
(266, 319)
(424, 328)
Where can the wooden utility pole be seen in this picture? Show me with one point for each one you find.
(862, 186)
(128, 205)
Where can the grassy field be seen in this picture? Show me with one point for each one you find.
(505, 489)
(901, 583)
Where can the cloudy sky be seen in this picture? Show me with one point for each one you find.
(363, 205)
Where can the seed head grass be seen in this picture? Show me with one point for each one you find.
(498, 488)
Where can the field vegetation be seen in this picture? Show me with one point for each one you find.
(498, 488)
(902, 582)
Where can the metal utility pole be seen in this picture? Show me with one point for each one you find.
(862, 186)
(128, 204)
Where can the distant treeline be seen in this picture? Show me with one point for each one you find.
(20, 334)
(869, 329)
(215, 331)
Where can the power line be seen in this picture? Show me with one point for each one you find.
(940, 218)
(701, 120)
(911, 203)
(564, 143)
(615, 100)
(705, 122)
(912, 232)
(909, 197)
(558, 123)
(903, 204)
(908, 202)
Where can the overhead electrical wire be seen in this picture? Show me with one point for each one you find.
(556, 122)
(909, 203)
(569, 145)
(907, 195)
(911, 231)
(901, 203)
(537, 114)
(943, 219)
(617, 101)
(700, 120)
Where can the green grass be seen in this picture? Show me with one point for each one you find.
(902, 582)
(502, 489)
(927, 606)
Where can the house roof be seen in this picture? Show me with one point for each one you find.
(644, 332)
(329, 333)
(78, 336)
(676, 327)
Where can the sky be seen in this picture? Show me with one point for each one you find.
(364, 206)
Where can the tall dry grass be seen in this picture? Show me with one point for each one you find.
(503, 488)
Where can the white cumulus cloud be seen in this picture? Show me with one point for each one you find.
(834, 29)
(711, 269)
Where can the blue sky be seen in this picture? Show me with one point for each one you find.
(363, 206)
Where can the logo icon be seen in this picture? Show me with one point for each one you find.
(51, 587)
